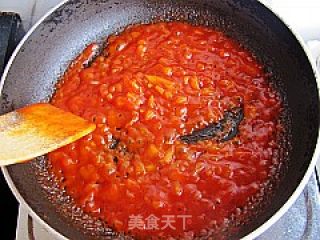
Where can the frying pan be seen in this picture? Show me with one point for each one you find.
(45, 52)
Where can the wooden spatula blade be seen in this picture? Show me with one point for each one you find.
(36, 130)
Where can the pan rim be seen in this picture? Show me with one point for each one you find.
(255, 233)
(4, 170)
(316, 154)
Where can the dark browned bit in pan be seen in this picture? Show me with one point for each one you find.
(224, 130)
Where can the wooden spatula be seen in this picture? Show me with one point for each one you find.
(37, 129)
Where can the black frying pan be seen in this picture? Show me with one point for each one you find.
(47, 50)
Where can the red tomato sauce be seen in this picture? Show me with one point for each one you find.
(152, 84)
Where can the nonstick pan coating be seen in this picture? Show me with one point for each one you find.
(46, 53)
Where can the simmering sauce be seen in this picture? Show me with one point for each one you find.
(152, 85)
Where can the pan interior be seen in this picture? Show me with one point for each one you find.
(46, 54)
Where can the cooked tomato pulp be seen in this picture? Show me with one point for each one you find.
(153, 84)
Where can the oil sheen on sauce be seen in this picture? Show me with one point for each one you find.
(151, 85)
